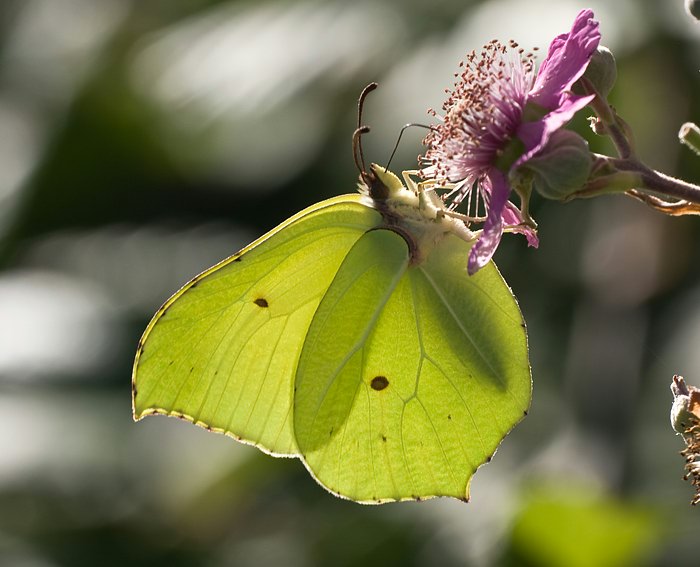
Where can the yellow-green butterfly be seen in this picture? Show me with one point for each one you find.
(351, 337)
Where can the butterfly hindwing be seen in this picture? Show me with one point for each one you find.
(411, 374)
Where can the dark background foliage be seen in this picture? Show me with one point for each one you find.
(140, 142)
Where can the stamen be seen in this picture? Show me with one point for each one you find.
(480, 116)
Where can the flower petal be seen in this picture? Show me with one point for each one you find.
(496, 186)
(566, 61)
(535, 135)
(513, 219)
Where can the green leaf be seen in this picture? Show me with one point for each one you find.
(573, 526)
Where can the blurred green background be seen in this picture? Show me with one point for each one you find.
(140, 142)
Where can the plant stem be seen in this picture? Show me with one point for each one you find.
(612, 124)
(630, 176)
(658, 182)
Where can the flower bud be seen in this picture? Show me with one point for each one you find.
(689, 134)
(602, 71)
(693, 8)
(562, 167)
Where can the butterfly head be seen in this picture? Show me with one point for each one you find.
(371, 182)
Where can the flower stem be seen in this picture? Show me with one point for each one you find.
(658, 182)
(627, 174)
(678, 188)
(618, 175)
(609, 123)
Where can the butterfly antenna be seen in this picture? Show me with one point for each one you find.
(361, 101)
(357, 149)
(398, 140)
(357, 152)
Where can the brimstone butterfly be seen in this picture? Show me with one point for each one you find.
(351, 337)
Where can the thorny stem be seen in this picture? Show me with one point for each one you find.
(633, 177)
(627, 173)
(609, 122)
(660, 182)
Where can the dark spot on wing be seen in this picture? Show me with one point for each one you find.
(238, 259)
(330, 433)
(171, 363)
(379, 383)
(191, 370)
(133, 389)
(194, 284)
(449, 416)
(261, 302)
(488, 459)
(384, 438)
(525, 412)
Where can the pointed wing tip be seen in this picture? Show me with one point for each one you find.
(138, 414)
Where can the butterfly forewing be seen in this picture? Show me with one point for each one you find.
(222, 352)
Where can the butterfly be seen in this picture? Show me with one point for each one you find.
(352, 338)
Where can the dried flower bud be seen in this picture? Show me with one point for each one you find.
(693, 8)
(562, 167)
(686, 405)
(685, 419)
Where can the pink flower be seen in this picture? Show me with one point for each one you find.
(499, 116)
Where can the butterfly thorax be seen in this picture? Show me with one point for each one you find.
(420, 217)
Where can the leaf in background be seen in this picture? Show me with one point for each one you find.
(575, 527)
